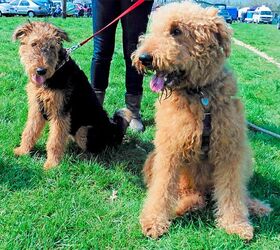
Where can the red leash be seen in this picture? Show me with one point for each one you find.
(131, 8)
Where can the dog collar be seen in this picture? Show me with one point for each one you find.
(66, 55)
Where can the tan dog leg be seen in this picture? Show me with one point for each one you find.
(59, 132)
(230, 192)
(148, 168)
(162, 194)
(189, 198)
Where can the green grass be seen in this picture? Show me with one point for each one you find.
(70, 208)
(265, 37)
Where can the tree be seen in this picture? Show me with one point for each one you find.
(64, 9)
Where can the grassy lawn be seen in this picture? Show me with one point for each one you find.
(265, 37)
(70, 207)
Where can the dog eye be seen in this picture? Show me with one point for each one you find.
(33, 44)
(175, 32)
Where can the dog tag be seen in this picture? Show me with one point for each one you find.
(204, 101)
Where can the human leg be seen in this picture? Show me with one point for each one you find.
(103, 13)
(134, 24)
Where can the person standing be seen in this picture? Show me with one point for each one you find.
(133, 25)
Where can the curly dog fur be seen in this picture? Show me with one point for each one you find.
(59, 92)
(187, 47)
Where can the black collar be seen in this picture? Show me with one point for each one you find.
(193, 91)
(64, 57)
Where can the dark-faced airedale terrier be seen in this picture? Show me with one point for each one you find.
(200, 141)
(59, 92)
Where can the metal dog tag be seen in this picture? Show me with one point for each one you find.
(204, 101)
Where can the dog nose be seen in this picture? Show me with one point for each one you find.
(146, 59)
(41, 71)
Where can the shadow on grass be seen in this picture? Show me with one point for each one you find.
(17, 177)
(130, 156)
(149, 122)
(266, 190)
(261, 188)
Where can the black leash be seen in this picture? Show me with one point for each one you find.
(207, 120)
(207, 125)
(255, 128)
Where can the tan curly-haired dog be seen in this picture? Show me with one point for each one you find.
(200, 141)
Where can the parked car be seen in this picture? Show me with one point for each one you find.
(5, 8)
(71, 9)
(233, 12)
(224, 13)
(249, 17)
(30, 8)
(75, 10)
(242, 13)
(263, 14)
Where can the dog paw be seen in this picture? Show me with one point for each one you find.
(20, 151)
(243, 229)
(190, 203)
(258, 208)
(50, 164)
(124, 113)
(154, 227)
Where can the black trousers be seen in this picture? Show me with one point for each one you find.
(133, 25)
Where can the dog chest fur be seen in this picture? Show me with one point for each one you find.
(179, 126)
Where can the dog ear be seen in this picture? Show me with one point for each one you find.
(63, 35)
(22, 31)
(223, 35)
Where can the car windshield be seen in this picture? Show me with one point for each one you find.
(250, 14)
(41, 2)
(265, 12)
(14, 2)
(223, 12)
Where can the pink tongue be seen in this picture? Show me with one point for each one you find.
(38, 79)
(157, 83)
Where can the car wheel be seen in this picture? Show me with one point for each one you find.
(1, 14)
(31, 14)
(278, 26)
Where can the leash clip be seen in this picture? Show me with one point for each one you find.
(72, 49)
